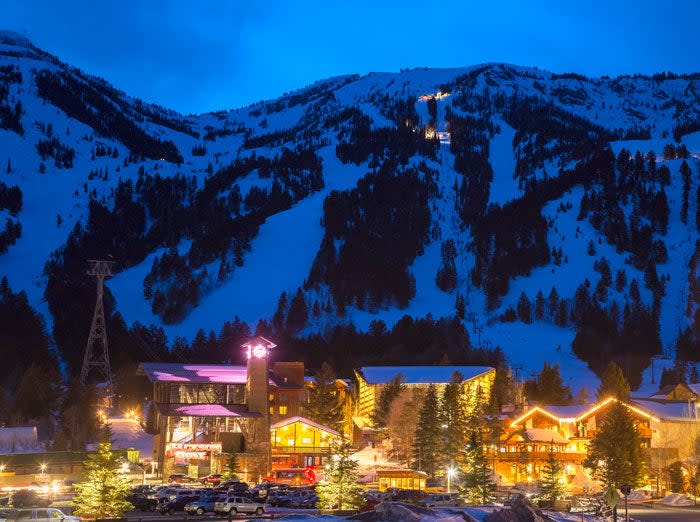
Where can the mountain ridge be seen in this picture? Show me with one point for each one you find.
(243, 183)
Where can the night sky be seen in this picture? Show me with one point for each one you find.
(209, 55)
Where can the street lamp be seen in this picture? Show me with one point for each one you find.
(42, 467)
(451, 472)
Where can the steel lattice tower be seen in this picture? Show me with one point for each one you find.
(98, 356)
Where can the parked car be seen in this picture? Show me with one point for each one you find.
(142, 502)
(441, 500)
(25, 498)
(177, 504)
(239, 488)
(204, 505)
(213, 478)
(239, 504)
(181, 478)
(171, 493)
(42, 515)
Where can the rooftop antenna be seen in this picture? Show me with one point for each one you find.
(96, 353)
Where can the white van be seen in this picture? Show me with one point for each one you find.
(42, 515)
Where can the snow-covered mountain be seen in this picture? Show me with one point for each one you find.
(355, 193)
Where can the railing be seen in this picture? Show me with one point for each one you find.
(526, 457)
(300, 449)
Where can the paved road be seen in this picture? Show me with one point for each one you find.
(660, 514)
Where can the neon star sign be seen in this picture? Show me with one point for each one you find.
(258, 348)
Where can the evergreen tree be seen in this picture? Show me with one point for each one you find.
(387, 395)
(675, 477)
(325, 405)
(524, 309)
(452, 419)
(340, 489)
(693, 377)
(685, 172)
(477, 486)
(232, 467)
(280, 313)
(553, 303)
(615, 455)
(620, 280)
(539, 306)
(105, 489)
(549, 387)
(613, 383)
(553, 485)
(298, 313)
(460, 307)
(425, 450)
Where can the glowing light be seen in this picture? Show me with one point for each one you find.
(124, 468)
(608, 401)
(517, 421)
(42, 467)
(451, 472)
(2, 468)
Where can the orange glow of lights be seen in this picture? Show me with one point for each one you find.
(517, 421)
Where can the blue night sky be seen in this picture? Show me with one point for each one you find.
(197, 56)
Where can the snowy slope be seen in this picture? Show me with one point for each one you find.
(283, 250)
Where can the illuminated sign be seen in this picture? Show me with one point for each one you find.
(190, 451)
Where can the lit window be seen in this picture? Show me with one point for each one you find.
(272, 410)
(278, 439)
(283, 410)
(290, 442)
(306, 440)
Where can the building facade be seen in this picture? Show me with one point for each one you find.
(205, 412)
(668, 431)
(370, 380)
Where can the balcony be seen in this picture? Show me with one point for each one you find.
(316, 450)
(537, 456)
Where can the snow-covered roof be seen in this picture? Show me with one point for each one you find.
(568, 412)
(669, 410)
(420, 374)
(195, 373)
(205, 410)
(18, 439)
(303, 420)
(695, 388)
(544, 435)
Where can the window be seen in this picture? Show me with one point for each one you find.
(290, 442)
(283, 410)
(24, 514)
(306, 440)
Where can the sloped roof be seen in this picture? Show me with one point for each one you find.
(205, 410)
(303, 420)
(568, 412)
(669, 410)
(420, 374)
(195, 373)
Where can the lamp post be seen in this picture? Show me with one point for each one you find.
(450, 473)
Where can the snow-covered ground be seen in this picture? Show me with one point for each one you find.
(282, 252)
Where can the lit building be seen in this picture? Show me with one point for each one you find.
(206, 410)
(298, 442)
(370, 380)
(664, 428)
